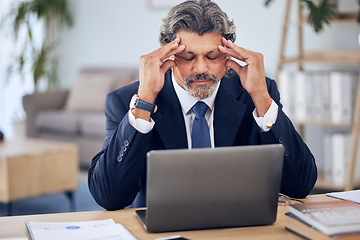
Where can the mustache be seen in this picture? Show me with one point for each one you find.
(201, 76)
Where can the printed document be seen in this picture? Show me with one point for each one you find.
(87, 230)
(347, 195)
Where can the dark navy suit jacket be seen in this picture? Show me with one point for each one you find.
(117, 174)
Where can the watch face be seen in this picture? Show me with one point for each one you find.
(133, 101)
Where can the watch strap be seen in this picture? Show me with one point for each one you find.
(138, 103)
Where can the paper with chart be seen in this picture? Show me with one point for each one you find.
(87, 230)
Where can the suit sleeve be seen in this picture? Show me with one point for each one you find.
(299, 169)
(116, 172)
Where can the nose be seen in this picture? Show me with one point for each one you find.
(200, 65)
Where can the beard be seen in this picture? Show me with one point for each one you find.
(201, 91)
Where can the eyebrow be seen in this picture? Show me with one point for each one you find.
(212, 51)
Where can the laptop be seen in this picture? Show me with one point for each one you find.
(212, 188)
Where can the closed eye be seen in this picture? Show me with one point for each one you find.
(212, 58)
(186, 59)
(217, 57)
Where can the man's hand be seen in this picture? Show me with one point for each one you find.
(152, 69)
(252, 75)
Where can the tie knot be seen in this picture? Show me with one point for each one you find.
(200, 109)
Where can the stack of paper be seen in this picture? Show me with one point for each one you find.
(353, 195)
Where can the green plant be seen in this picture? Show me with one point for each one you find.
(41, 59)
(320, 12)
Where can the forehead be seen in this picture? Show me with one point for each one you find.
(199, 44)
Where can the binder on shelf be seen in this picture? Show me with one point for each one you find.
(327, 158)
(336, 159)
(348, 96)
(325, 93)
(335, 93)
(316, 80)
(340, 157)
(310, 97)
(300, 95)
(343, 92)
(286, 89)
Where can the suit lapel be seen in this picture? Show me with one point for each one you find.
(169, 120)
(229, 112)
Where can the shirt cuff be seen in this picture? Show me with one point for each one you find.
(269, 118)
(140, 124)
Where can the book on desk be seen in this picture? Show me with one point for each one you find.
(325, 220)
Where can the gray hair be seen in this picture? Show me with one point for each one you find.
(200, 16)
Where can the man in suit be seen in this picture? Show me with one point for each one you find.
(194, 64)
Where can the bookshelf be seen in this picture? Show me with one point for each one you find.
(327, 58)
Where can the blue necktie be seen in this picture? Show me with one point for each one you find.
(200, 130)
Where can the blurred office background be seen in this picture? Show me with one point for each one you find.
(115, 33)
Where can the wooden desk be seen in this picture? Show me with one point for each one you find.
(14, 227)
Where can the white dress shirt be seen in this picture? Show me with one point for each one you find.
(187, 101)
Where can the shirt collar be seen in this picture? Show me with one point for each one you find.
(187, 101)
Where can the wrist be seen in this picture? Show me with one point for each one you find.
(147, 96)
(262, 103)
(142, 114)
